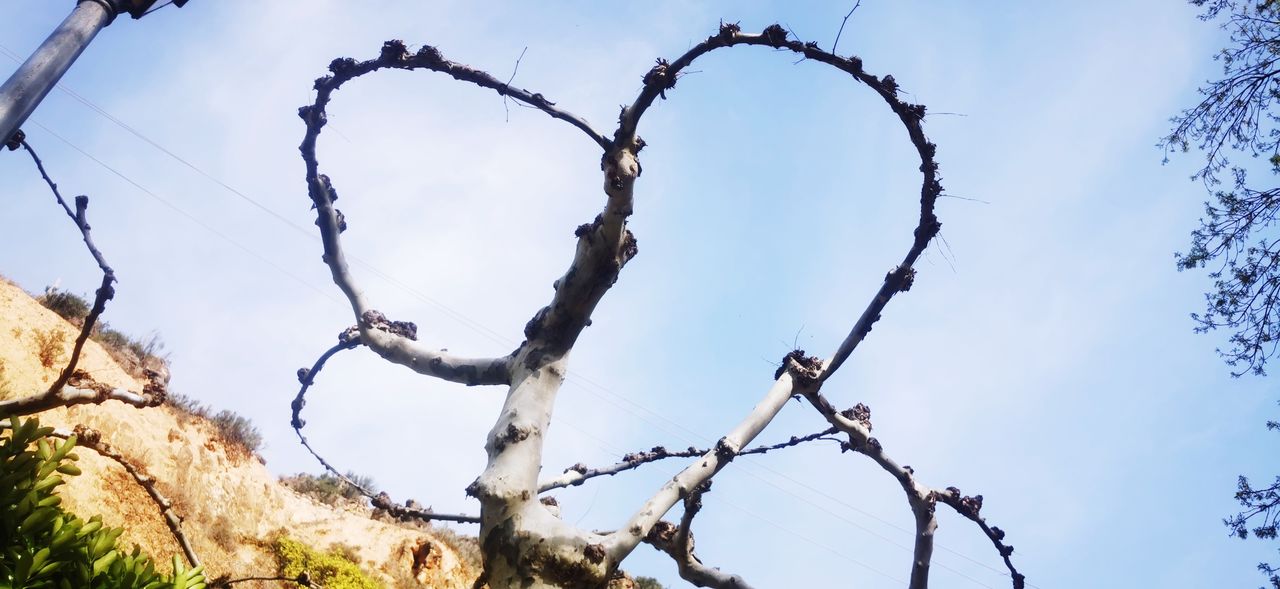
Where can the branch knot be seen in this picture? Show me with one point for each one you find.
(376, 320)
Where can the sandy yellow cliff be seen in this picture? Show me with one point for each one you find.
(231, 503)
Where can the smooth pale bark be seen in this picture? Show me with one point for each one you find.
(623, 541)
(81, 391)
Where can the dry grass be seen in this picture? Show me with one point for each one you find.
(50, 346)
(222, 534)
(466, 547)
(5, 386)
(236, 430)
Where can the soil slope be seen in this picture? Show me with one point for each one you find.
(231, 503)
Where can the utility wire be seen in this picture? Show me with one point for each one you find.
(194, 219)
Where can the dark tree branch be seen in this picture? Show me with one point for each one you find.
(396, 340)
(1236, 120)
(349, 340)
(302, 580)
(677, 542)
(856, 423)
(519, 533)
(579, 473)
(969, 507)
(1233, 120)
(105, 291)
(74, 386)
(843, 21)
(86, 437)
(663, 77)
(799, 374)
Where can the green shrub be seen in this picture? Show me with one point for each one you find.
(647, 583)
(232, 427)
(237, 429)
(41, 545)
(72, 307)
(131, 353)
(329, 569)
(187, 405)
(327, 488)
(116, 340)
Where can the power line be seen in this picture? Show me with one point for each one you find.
(194, 219)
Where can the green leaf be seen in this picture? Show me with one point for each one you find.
(69, 469)
(105, 561)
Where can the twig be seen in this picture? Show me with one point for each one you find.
(303, 580)
(348, 340)
(92, 439)
(509, 80)
(985, 202)
(842, 22)
(579, 473)
(105, 291)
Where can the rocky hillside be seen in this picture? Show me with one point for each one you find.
(233, 507)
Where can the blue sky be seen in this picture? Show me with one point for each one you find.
(1044, 358)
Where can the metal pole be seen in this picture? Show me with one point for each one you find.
(28, 86)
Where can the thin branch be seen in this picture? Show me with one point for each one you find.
(969, 507)
(396, 340)
(348, 340)
(92, 439)
(663, 76)
(509, 80)
(402, 511)
(677, 542)
(579, 473)
(836, 43)
(302, 580)
(623, 541)
(856, 423)
(105, 291)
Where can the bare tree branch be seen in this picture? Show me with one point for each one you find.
(86, 437)
(348, 340)
(402, 511)
(81, 389)
(856, 423)
(677, 542)
(302, 580)
(523, 540)
(836, 43)
(623, 541)
(74, 386)
(105, 291)
(663, 77)
(810, 372)
(969, 507)
(395, 340)
(579, 473)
